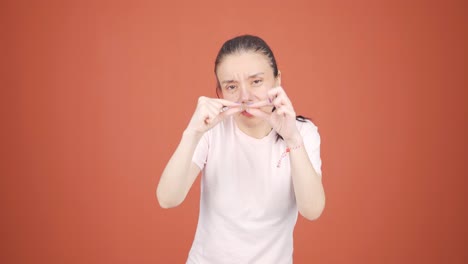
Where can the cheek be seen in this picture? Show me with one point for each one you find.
(233, 97)
(262, 91)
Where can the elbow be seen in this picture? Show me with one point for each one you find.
(312, 216)
(314, 212)
(165, 202)
(166, 205)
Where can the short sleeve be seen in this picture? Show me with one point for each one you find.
(200, 155)
(311, 138)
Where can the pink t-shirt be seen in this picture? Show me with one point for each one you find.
(247, 206)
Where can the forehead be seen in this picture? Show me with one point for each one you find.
(243, 64)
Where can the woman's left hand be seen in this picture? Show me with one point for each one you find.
(282, 119)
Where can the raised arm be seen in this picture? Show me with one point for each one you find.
(308, 189)
(180, 172)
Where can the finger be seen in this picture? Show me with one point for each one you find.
(260, 104)
(210, 114)
(224, 105)
(278, 92)
(216, 115)
(236, 107)
(285, 111)
(274, 92)
(211, 107)
(230, 111)
(225, 102)
(208, 118)
(279, 102)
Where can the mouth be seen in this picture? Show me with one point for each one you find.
(246, 114)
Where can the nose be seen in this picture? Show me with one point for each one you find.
(245, 94)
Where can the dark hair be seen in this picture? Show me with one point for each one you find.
(247, 43)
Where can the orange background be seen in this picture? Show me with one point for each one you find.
(96, 95)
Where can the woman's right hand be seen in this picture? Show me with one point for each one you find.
(209, 112)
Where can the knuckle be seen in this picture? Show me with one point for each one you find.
(201, 99)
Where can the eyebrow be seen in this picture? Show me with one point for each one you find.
(228, 81)
(255, 75)
(250, 77)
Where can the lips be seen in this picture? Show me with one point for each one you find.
(245, 113)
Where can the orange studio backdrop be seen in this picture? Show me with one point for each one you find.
(96, 95)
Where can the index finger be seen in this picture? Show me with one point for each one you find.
(275, 91)
(260, 104)
(278, 92)
(225, 102)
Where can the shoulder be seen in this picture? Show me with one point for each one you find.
(309, 132)
(306, 126)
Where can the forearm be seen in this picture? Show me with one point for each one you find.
(174, 183)
(308, 188)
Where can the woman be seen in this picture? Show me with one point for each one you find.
(260, 164)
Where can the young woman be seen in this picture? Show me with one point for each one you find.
(260, 163)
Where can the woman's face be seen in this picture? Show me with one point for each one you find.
(246, 77)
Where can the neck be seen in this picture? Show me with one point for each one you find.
(253, 128)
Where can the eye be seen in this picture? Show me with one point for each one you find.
(257, 82)
(230, 87)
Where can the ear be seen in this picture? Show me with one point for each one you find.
(278, 79)
(219, 93)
